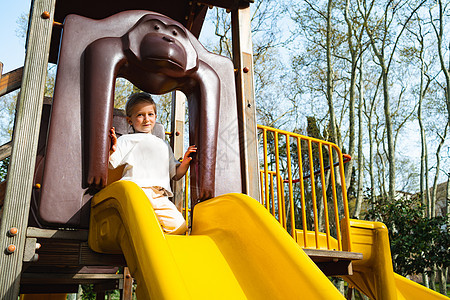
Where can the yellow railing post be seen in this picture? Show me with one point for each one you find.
(336, 208)
(324, 196)
(280, 187)
(291, 193)
(302, 191)
(266, 179)
(313, 192)
(344, 197)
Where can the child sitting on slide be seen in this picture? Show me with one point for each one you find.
(149, 161)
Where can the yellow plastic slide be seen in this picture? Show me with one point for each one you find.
(236, 250)
(374, 274)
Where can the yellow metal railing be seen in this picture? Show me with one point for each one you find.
(292, 195)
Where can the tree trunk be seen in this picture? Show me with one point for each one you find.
(371, 171)
(387, 114)
(432, 209)
(80, 292)
(424, 190)
(371, 152)
(443, 280)
(447, 202)
(423, 155)
(382, 180)
(433, 278)
(389, 133)
(360, 162)
(330, 91)
(426, 280)
(387, 108)
(439, 34)
(354, 62)
(330, 87)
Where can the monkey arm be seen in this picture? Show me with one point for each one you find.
(204, 128)
(102, 62)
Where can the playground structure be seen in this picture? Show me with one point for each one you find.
(236, 249)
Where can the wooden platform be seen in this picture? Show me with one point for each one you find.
(67, 252)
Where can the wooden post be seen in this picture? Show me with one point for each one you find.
(25, 138)
(127, 291)
(176, 141)
(243, 63)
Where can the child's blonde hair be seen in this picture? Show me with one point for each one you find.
(137, 98)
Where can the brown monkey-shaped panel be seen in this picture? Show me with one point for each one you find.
(158, 55)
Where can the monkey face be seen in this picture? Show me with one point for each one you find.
(159, 50)
(161, 46)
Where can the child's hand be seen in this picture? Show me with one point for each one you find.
(191, 149)
(113, 136)
(184, 166)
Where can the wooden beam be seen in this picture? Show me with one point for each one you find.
(30, 250)
(25, 140)
(11, 81)
(61, 278)
(330, 255)
(75, 235)
(177, 141)
(5, 150)
(243, 63)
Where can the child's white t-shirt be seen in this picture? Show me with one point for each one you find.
(148, 160)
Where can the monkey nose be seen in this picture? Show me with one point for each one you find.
(168, 39)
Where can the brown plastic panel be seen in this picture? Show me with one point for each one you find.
(77, 143)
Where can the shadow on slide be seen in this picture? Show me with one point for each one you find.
(236, 250)
(374, 274)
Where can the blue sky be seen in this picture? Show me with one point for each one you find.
(12, 48)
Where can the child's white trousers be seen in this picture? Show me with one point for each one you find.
(169, 217)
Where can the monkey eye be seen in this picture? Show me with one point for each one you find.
(156, 27)
(174, 32)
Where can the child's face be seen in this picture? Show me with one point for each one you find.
(143, 117)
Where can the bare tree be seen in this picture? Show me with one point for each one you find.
(424, 189)
(330, 73)
(379, 32)
(275, 106)
(355, 50)
(360, 161)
